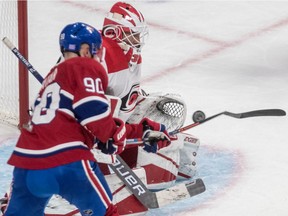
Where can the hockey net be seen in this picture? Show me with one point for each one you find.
(13, 87)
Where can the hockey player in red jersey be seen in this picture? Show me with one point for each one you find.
(71, 118)
(53, 155)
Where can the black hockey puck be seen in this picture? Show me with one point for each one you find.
(198, 116)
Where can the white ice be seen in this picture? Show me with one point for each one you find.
(219, 55)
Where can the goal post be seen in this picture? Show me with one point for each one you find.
(23, 73)
(14, 82)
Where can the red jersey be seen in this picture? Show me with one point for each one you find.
(71, 102)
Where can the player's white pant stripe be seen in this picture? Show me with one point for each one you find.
(96, 183)
(50, 150)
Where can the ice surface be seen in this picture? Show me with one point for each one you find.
(219, 55)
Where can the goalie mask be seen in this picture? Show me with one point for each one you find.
(127, 26)
(74, 35)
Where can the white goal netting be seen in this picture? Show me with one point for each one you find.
(9, 87)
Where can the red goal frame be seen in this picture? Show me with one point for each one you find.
(23, 72)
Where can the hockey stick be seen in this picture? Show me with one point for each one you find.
(255, 113)
(123, 171)
(11, 46)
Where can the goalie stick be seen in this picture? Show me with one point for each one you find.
(160, 198)
(122, 170)
(255, 113)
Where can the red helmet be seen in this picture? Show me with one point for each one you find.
(125, 24)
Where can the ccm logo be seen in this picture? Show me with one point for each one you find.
(190, 139)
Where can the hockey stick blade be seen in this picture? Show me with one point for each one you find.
(266, 112)
(180, 192)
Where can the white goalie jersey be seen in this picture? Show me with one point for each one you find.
(124, 81)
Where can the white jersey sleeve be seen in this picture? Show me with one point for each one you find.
(124, 81)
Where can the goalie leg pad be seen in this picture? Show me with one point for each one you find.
(161, 168)
(187, 167)
(174, 162)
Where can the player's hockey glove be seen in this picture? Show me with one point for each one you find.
(117, 143)
(154, 136)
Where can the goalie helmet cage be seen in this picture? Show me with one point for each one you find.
(14, 86)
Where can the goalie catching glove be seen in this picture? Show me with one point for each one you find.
(117, 143)
(154, 135)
